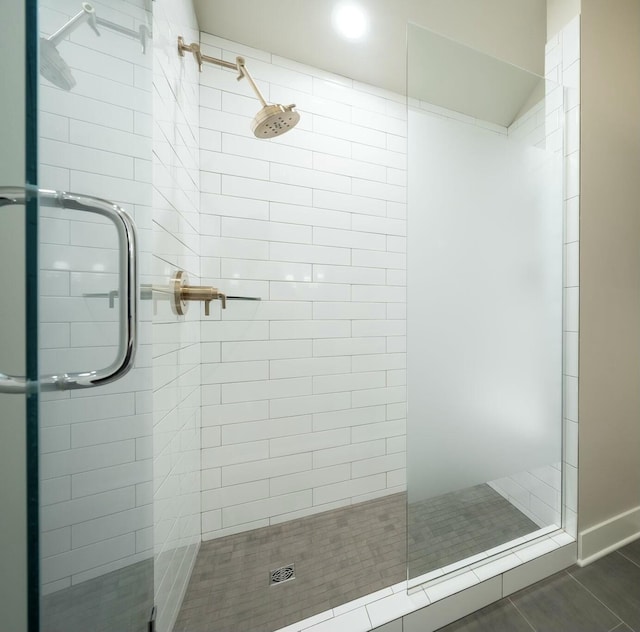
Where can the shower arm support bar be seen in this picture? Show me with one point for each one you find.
(238, 66)
(123, 30)
(88, 15)
(242, 69)
(142, 33)
(194, 48)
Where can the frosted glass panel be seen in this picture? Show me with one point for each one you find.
(484, 328)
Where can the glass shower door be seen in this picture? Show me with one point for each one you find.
(84, 391)
(96, 486)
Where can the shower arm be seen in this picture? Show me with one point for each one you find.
(238, 67)
(88, 15)
(242, 69)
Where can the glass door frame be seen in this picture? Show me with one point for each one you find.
(19, 417)
(31, 312)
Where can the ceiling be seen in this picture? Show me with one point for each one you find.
(445, 73)
(513, 30)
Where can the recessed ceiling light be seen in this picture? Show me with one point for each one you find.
(350, 20)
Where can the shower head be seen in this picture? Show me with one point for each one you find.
(271, 120)
(53, 67)
(274, 120)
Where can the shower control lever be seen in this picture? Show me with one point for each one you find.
(183, 292)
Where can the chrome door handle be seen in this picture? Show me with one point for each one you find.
(128, 287)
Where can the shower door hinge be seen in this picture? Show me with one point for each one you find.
(152, 620)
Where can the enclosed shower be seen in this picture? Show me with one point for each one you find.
(299, 369)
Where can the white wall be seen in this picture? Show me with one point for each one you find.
(176, 340)
(609, 481)
(304, 392)
(13, 518)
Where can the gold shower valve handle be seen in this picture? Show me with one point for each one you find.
(183, 292)
(203, 293)
(223, 299)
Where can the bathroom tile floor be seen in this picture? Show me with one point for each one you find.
(339, 556)
(601, 597)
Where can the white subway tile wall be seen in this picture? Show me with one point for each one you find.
(537, 493)
(176, 339)
(305, 390)
(95, 444)
(566, 71)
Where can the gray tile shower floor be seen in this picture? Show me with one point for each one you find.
(460, 524)
(601, 597)
(339, 556)
(120, 600)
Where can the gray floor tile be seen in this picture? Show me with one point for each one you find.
(614, 580)
(632, 552)
(501, 616)
(561, 603)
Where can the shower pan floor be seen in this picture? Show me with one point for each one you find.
(339, 556)
(460, 524)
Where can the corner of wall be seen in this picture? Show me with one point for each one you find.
(559, 14)
(608, 536)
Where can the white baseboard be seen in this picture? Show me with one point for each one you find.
(608, 536)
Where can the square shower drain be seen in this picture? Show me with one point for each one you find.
(282, 574)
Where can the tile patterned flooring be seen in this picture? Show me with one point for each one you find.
(601, 597)
(460, 524)
(340, 555)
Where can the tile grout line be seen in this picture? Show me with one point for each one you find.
(627, 558)
(521, 614)
(615, 614)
